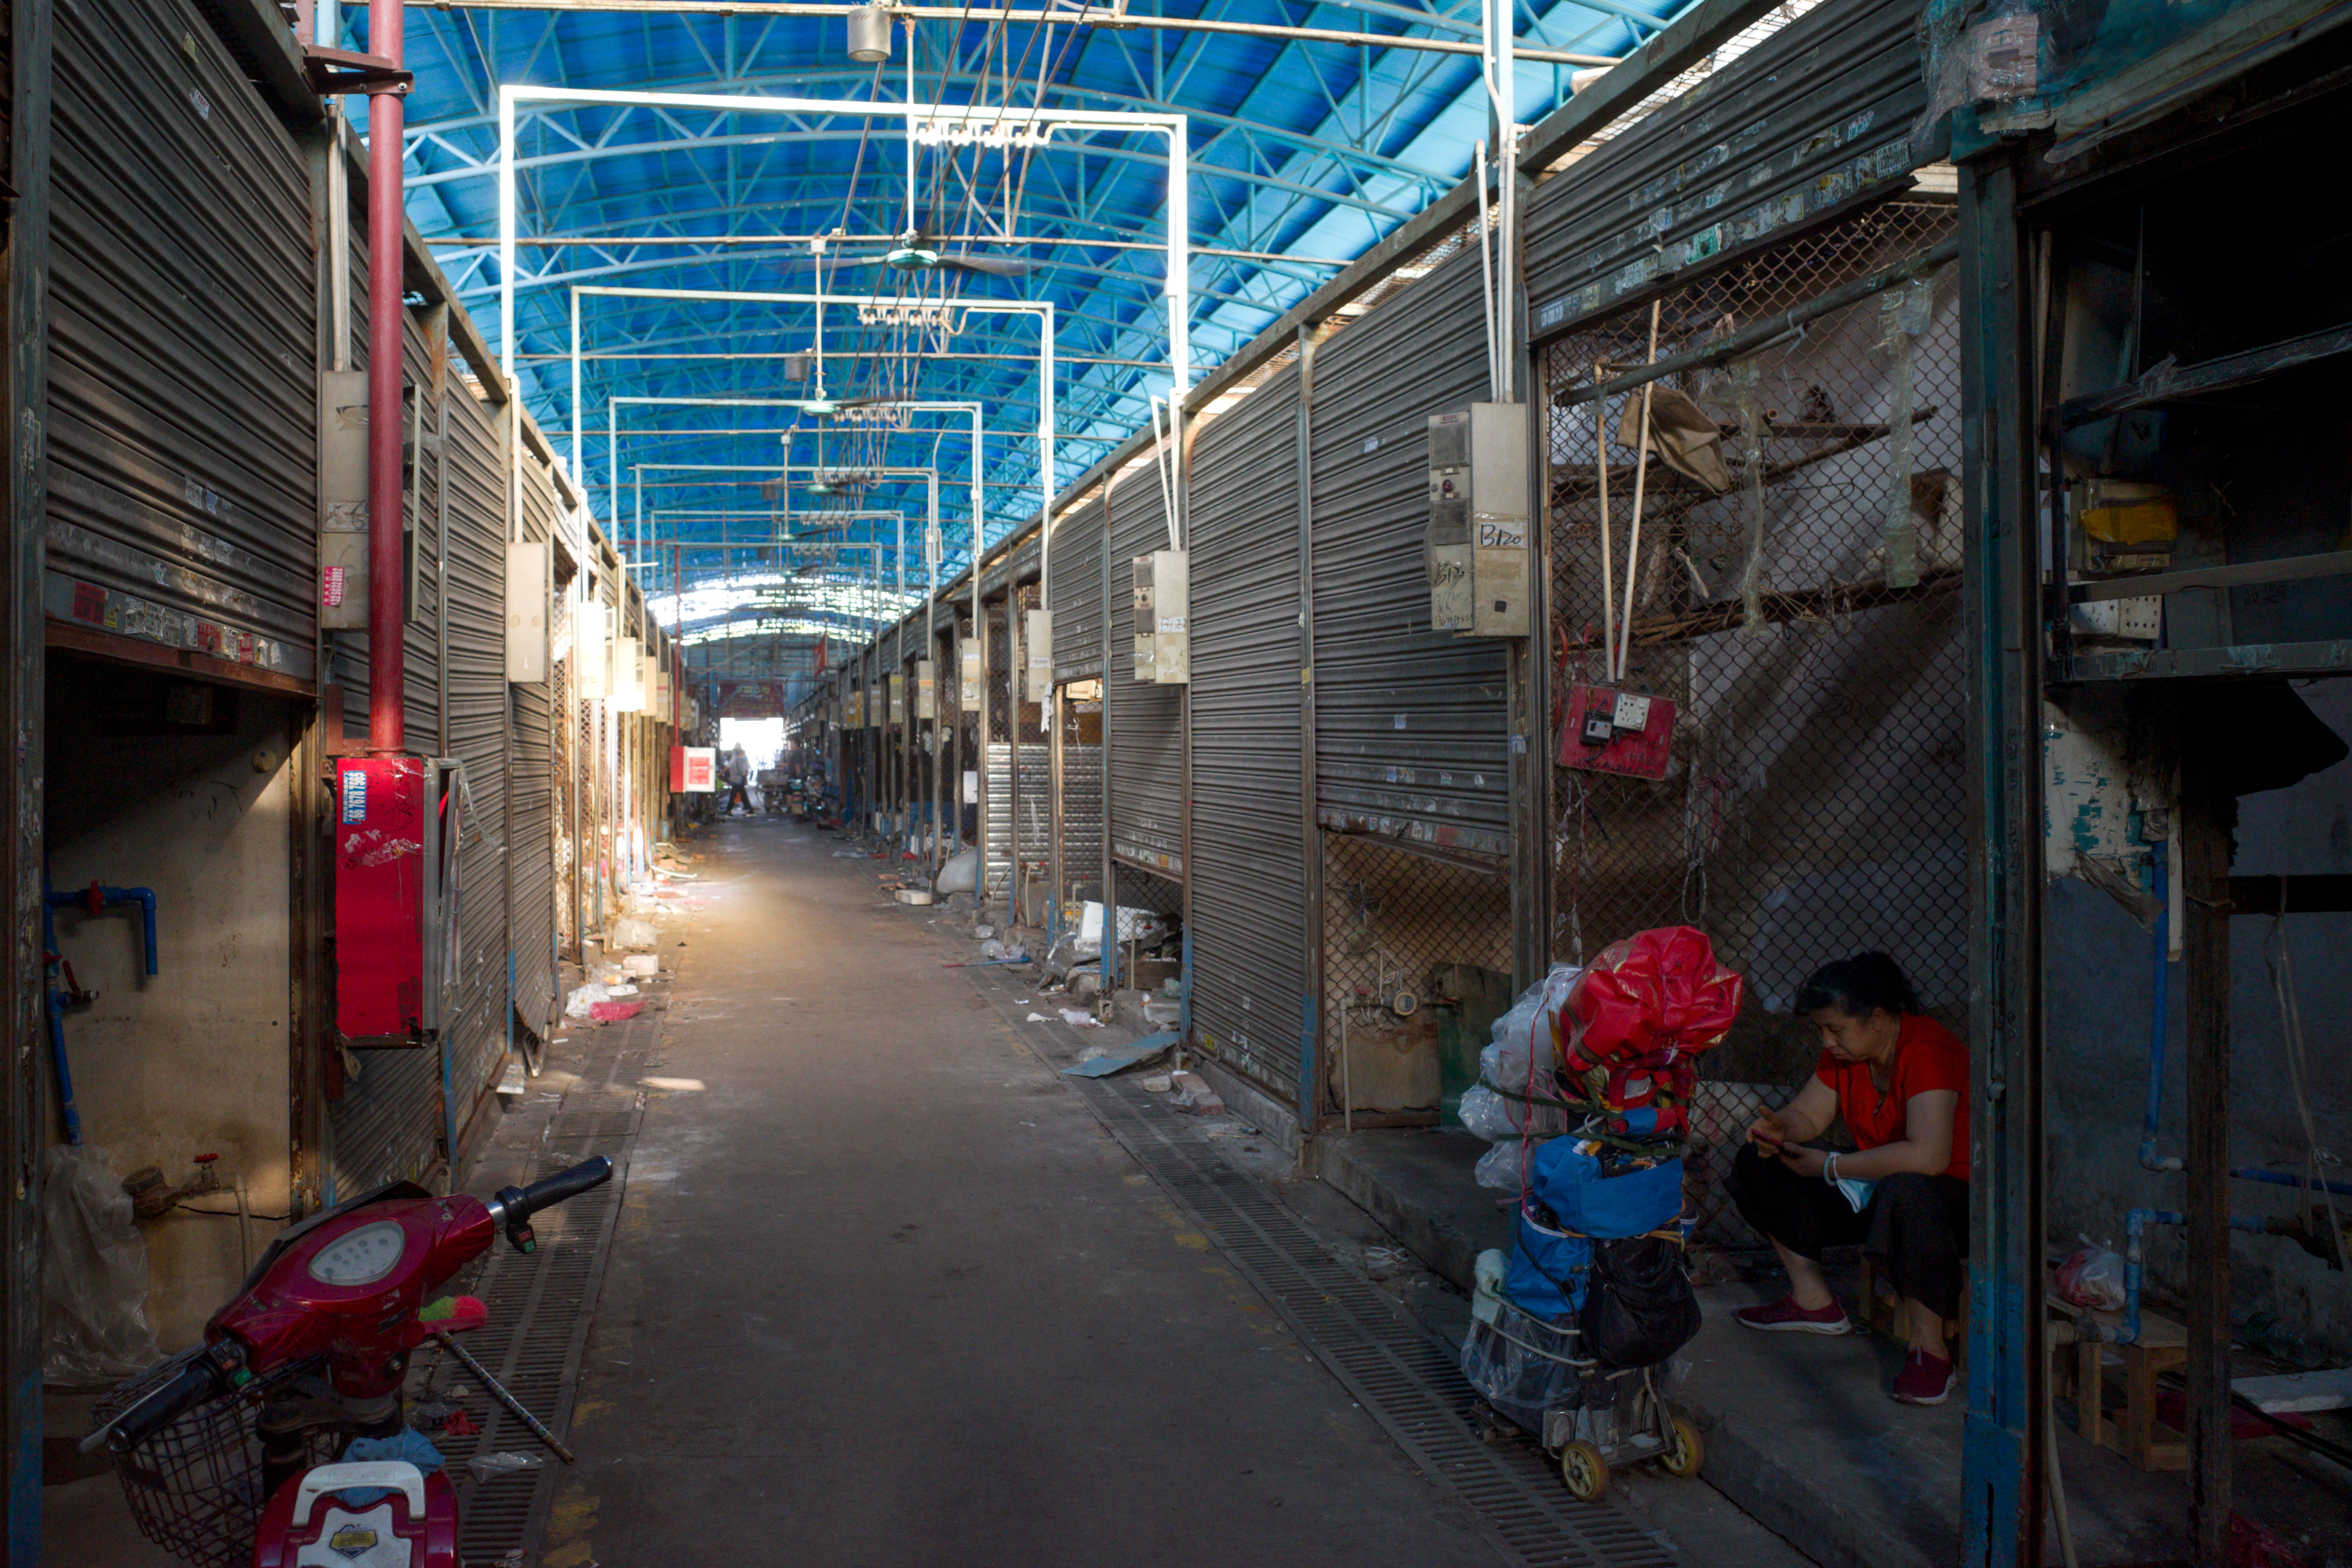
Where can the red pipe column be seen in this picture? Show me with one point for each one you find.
(387, 615)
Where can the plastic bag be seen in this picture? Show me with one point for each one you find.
(634, 933)
(1637, 1016)
(1499, 1167)
(94, 1278)
(2093, 1278)
(1532, 1020)
(1639, 1307)
(577, 1005)
(961, 874)
(1493, 1117)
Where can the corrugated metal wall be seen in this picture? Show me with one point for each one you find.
(1410, 741)
(1812, 119)
(1077, 592)
(183, 467)
(531, 838)
(1143, 722)
(391, 1119)
(1248, 855)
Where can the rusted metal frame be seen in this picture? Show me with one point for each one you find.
(2002, 1442)
(25, 395)
(331, 72)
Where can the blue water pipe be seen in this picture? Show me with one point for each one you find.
(2136, 1226)
(95, 898)
(2161, 991)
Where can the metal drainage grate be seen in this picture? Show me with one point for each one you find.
(1409, 1384)
(540, 1310)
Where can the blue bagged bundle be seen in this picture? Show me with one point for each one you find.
(1548, 1270)
(1569, 1204)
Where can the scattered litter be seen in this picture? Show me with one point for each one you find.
(586, 997)
(1384, 1262)
(961, 874)
(1159, 1084)
(488, 1466)
(1193, 1094)
(623, 990)
(1021, 1001)
(1037, 1018)
(642, 966)
(991, 949)
(615, 1013)
(983, 933)
(1097, 1061)
(632, 932)
(1077, 1019)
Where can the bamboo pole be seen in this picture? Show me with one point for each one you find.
(1633, 536)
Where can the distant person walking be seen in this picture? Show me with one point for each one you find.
(739, 775)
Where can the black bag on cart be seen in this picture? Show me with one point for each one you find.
(1639, 1307)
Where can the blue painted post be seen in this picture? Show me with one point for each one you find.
(2001, 1462)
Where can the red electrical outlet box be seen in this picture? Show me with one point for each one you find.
(383, 813)
(1605, 730)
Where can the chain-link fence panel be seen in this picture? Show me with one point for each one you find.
(1416, 967)
(1785, 591)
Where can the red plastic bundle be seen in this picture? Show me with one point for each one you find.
(1638, 1015)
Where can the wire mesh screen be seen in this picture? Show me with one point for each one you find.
(1139, 889)
(559, 695)
(1792, 595)
(1416, 967)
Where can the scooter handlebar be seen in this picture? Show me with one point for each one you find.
(199, 1380)
(514, 1205)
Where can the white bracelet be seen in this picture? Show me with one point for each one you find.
(1829, 1170)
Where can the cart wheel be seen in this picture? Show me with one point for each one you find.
(1584, 1470)
(1492, 1428)
(1686, 1453)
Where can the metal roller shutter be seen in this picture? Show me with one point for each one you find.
(1081, 822)
(1812, 119)
(1410, 739)
(530, 839)
(1143, 722)
(393, 1119)
(476, 568)
(1077, 592)
(181, 418)
(1247, 857)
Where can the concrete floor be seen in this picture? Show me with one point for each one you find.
(885, 1292)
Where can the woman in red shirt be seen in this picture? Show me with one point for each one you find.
(1900, 1080)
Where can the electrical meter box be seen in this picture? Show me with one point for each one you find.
(1478, 521)
(628, 692)
(526, 591)
(1038, 654)
(926, 689)
(344, 496)
(397, 828)
(1163, 638)
(694, 769)
(969, 669)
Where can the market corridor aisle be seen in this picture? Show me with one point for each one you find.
(885, 1292)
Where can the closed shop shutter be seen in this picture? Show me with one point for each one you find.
(1410, 736)
(1143, 721)
(1077, 592)
(1082, 821)
(475, 567)
(393, 1119)
(1812, 120)
(182, 447)
(530, 841)
(1247, 857)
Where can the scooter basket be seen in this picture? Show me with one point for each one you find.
(194, 1485)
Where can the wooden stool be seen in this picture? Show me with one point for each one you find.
(2138, 1436)
(1879, 1314)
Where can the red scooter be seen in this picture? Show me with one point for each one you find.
(227, 1451)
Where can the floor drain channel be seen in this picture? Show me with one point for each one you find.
(1409, 1384)
(540, 1305)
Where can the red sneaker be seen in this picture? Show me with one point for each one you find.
(1924, 1380)
(1784, 1316)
